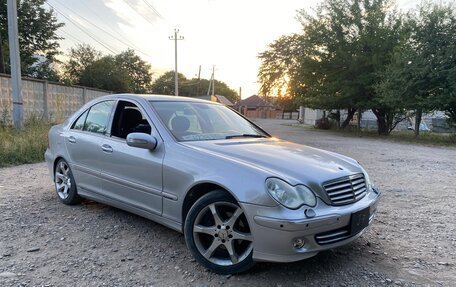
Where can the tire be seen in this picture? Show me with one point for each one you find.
(64, 183)
(218, 235)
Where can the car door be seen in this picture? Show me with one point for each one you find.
(83, 142)
(131, 175)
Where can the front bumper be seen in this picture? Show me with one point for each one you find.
(275, 229)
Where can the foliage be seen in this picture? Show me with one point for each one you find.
(422, 75)
(44, 70)
(124, 72)
(79, 58)
(323, 124)
(360, 55)
(284, 102)
(106, 74)
(164, 85)
(279, 64)
(138, 70)
(191, 87)
(25, 146)
(335, 62)
(37, 36)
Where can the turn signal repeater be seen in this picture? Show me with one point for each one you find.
(299, 243)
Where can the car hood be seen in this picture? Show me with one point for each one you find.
(293, 162)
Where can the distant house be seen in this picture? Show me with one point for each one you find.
(257, 107)
(217, 98)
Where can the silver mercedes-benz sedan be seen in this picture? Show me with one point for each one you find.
(238, 194)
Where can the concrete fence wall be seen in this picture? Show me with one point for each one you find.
(435, 121)
(288, 115)
(48, 100)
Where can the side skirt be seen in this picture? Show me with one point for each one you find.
(138, 211)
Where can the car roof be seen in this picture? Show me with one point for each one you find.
(156, 98)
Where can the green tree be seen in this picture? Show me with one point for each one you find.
(44, 70)
(335, 62)
(79, 58)
(106, 74)
(448, 104)
(422, 75)
(138, 70)
(164, 85)
(124, 72)
(37, 35)
(279, 65)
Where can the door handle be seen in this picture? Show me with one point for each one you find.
(72, 139)
(107, 148)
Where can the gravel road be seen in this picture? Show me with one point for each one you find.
(412, 241)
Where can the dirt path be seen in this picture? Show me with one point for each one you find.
(412, 242)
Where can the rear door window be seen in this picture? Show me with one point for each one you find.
(98, 118)
(79, 123)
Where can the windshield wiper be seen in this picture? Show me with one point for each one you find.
(246, 136)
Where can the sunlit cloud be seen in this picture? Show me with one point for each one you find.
(227, 34)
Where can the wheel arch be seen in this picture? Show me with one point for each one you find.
(196, 192)
(56, 160)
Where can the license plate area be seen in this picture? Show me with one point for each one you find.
(359, 221)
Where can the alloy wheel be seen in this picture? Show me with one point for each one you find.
(62, 179)
(221, 234)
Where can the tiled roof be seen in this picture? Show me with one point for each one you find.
(254, 101)
(224, 100)
(220, 99)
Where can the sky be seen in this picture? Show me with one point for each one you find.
(227, 34)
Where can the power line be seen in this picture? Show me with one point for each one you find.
(69, 36)
(106, 25)
(153, 9)
(84, 31)
(134, 9)
(101, 29)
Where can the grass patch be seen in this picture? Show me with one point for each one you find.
(427, 138)
(25, 146)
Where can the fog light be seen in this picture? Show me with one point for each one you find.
(299, 243)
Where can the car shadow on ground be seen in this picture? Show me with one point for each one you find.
(343, 260)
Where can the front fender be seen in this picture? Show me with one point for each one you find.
(185, 168)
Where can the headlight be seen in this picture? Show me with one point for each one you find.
(369, 183)
(290, 196)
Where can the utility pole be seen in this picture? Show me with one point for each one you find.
(15, 62)
(240, 93)
(2, 62)
(176, 81)
(198, 85)
(213, 80)
(209, 88)
(211, 83)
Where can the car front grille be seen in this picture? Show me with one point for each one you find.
(347, 189)
(333, 236)
(336, 235)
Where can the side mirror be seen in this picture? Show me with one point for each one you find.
(141, 140)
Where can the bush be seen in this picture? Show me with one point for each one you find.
(323, 123)
(25, 146)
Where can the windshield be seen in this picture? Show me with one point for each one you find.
(190, 121)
